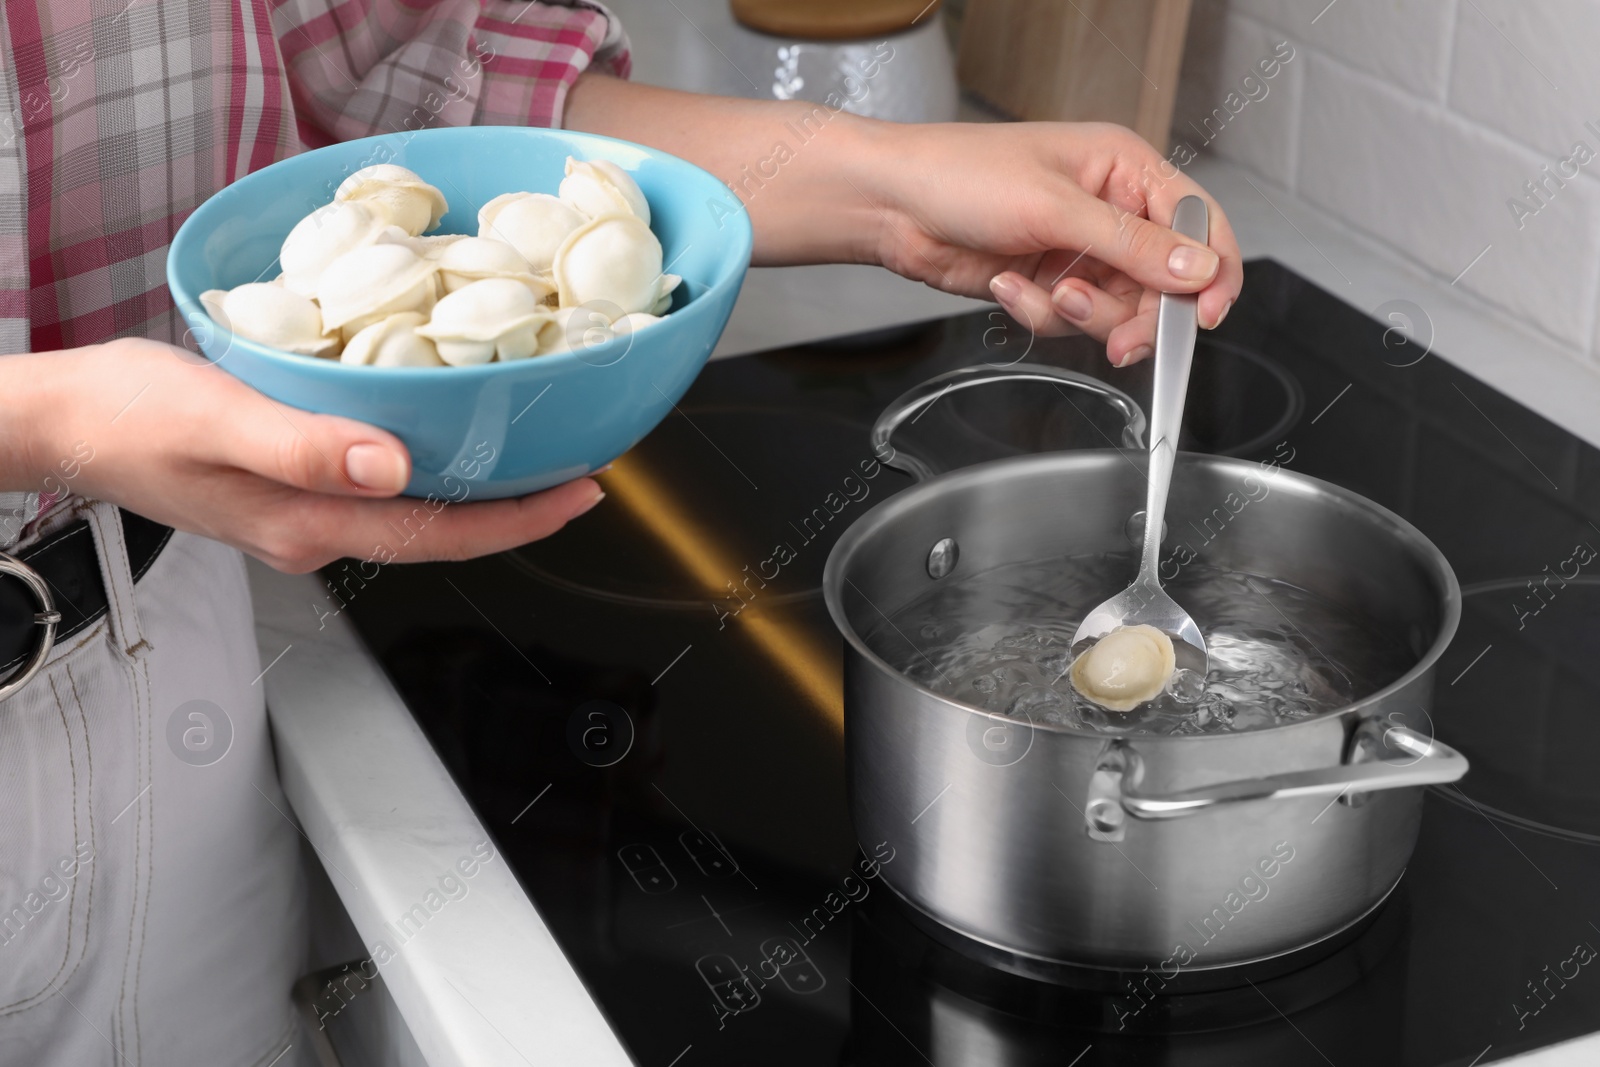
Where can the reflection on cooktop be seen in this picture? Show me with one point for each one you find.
(1519, 695)
(664, 768)
(665, 546)
(917, 996)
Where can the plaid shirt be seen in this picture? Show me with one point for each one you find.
(119, 117)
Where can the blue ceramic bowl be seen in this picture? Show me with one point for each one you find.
(501, 429)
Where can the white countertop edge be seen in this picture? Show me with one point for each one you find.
(1560, 384)
(1579, 1052)
(476, 974)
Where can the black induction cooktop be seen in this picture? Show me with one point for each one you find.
(644, 710)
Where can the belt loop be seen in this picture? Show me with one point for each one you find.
(122, 612)
(16, 511)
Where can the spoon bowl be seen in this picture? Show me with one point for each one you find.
(1145, 603)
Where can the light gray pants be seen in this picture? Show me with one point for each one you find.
(151, 900)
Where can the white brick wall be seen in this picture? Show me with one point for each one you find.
(1416, 121)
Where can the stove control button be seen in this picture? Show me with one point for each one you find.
(644, 864)
(794, 966)
(708, 854)
(720, 972)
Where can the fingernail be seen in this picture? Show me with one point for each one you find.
(1004, 288)
(1073, 303)
(1225, 309)
(375, 467)
(1192, 264)
(586, 508)
(602, 470)
(1142, 352)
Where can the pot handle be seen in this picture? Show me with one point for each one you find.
(1431, 763)
(910, 404)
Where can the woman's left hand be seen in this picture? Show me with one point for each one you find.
(1053, 219)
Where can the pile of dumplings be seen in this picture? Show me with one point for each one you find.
(364, 282)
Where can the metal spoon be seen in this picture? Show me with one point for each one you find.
(1145, 602)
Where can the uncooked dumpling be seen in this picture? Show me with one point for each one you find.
(392, 342)
(613, 261)
(535, 224)
(372, 283)
(398, 196)
(496, 318)
(323, 236)
(271, 315)
(600, 187)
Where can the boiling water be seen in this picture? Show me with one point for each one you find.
(1000, 641)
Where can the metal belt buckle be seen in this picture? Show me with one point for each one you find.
(47, 617)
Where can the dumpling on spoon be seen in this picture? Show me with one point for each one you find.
(1127, 667)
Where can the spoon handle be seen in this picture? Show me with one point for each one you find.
(1177, 323)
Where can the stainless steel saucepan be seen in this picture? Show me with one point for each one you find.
(1177, 852)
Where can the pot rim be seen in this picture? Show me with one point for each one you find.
(890, 510)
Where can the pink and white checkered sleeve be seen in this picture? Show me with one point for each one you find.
(357, 68)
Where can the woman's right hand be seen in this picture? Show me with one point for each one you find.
(176, 439)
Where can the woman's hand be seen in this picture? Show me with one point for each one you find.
(1054, 219)
(172, 437)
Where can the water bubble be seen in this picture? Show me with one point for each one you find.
(1003, 645)
(1008, 675)
(1034, 702)
(1186, 686)
(1054, 664)
(1251, 717)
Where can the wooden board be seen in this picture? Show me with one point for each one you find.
(1077, 60)
(833, 20)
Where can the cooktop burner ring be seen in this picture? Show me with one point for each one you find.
(1231, 387)
(1493, 814)
(636, 600)
(1294, 394)
(684, 528)
(1524, 703)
